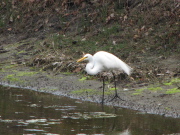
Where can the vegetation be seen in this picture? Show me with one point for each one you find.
(57, 32)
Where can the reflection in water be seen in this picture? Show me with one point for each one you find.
(29, 112)
(125, 132)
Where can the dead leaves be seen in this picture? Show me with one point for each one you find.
(141, 32)
(110, 17)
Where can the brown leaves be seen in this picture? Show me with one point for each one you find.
(110, 17)
(141, 32)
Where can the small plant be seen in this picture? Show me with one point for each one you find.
(83, 79)
(173, 91)
(12, 78)
(112, 89)
(138, 91)
(26, 73)
(173, 81)
(155, 88)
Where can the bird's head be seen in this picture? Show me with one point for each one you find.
(85, 57)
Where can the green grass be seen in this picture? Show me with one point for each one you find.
(167, 108)
(66, 73)
(9, 66)
(83, 79)
(173, 91)
(138, 91)
(112, 89)
(21, 52)
(16, 77)
(155, 89)
(12, 78)
(173, 81)
(24, 73)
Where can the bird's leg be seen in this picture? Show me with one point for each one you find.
(116, 94)
(103, 90)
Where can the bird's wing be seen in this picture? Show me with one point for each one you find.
(108, 61)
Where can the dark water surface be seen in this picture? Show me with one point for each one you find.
(29, 112)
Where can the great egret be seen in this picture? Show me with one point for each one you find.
(104, 61)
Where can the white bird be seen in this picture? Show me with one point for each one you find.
(104, 61)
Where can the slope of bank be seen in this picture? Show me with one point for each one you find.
(40, 42)
(162, 99)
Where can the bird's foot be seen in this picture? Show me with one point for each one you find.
(116, 96)
(102, 102)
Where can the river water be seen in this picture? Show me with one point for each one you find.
(27, 112)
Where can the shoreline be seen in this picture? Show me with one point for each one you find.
(90, 90)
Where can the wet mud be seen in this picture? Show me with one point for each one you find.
(71, 85)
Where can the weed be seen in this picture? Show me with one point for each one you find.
(167, 108)
(26, 73)
(9, 66)
(173, 81)
(83, 79)
(155, 88)
(86, 78)
(16, 77)
(12, 78)
(138, 91)
(111, 89)
(66, 73)
(173, 91)
(21, 52)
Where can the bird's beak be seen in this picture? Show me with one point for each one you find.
(81, 59)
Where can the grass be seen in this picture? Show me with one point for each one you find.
(25, 73)
(155, 88)
(112, 89)
(21, 52)
(16, 77)
(12, 78)
(173, 91)
(154, 38)
(83, 79)
(172, 81)
(138, 91)
(66, 73)
(102, 41)
(88, 77)
(10, 66)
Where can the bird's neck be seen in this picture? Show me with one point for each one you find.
(90, 68)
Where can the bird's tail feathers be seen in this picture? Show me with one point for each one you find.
(127, 69)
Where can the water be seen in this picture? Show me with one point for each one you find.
(32, 113)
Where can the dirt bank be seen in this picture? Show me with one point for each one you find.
(162, 99)
(150, 101)
(40, 42)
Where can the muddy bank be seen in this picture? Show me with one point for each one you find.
(161, 98)
(39, 45)
(74, 86)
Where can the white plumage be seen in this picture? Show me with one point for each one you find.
(104, 61)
